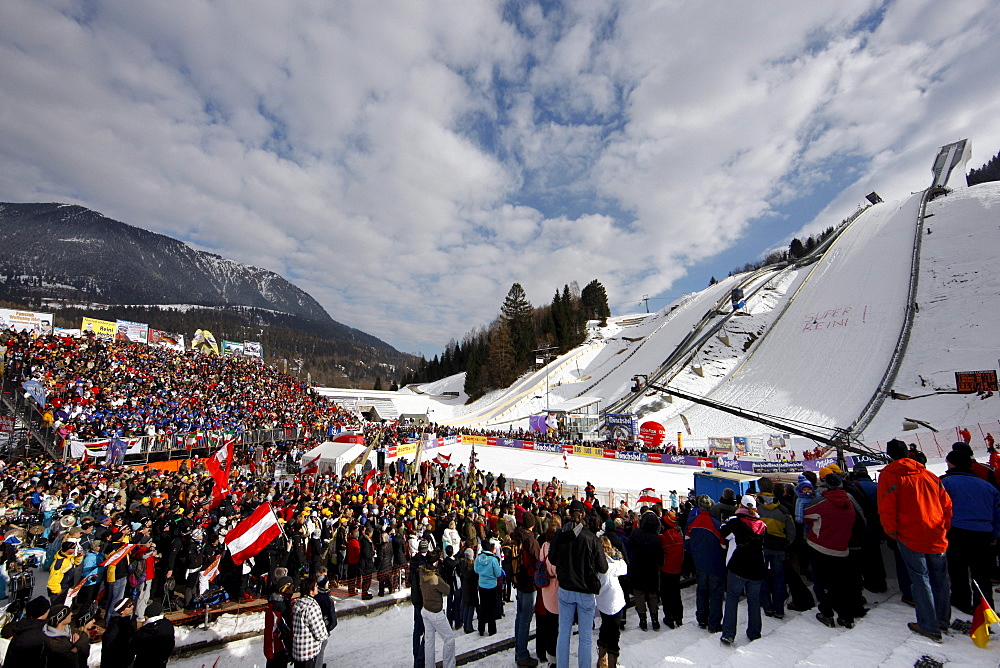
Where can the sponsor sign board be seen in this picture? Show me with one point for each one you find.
(26, 321)
(102, 329)
(126, 330)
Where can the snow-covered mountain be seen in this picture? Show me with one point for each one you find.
(68, 252)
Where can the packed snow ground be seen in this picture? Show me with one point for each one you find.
(383, 638)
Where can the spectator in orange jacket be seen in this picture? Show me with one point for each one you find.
(916, 511)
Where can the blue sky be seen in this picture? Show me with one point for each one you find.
(406, 162)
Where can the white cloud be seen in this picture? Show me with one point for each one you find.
(406, 162)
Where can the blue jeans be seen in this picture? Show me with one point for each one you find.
(736, 587)
(709, 596)
(930, 588)
(772, 591)
(418, 637)
(522, 623)
(116, 592)
(583, 605)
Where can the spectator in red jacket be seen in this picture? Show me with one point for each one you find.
(916, 511)
(670, 571)
(353, 563)
(831, 519)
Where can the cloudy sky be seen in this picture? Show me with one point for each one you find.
(406, 162)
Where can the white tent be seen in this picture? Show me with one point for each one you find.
(333, 457)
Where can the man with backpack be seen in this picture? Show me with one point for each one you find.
(525, 552)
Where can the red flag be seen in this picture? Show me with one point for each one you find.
(370, 486)
(213, 569)
(253, 534)
(118, 555)
(649, 496)
(219, 466)
(312, 468)
(442, 459)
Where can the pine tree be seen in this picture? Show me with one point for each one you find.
(518, 317)
(595, 302)
(988, 172)
(378, 383)
(796, 249)
(501, 369)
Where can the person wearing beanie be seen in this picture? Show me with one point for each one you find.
(417, 599)
(278, 625)
(434, 591)
(975, 528)
(708, 552)
(830, 520)
(26, 637)
(526, 554)
(780, 535)
(60, 642)
(916, 511)
(744, 532)
(117, 642)
(83, 622)
(489, 570)
(981, 471)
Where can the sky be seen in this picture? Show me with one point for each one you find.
(406, 162)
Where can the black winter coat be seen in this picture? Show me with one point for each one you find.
(645, 555)
(578, 558)
(26, 642)
(154, 643)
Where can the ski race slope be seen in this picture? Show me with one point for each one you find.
(838, 332)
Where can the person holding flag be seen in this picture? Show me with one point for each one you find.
(219, 465)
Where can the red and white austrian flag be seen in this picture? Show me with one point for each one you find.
(649, 496)
(253, 534)
(442, 459)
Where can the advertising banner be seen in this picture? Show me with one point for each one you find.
(102, 329)
(406, 448)
(168, 340)
(755, 446)
(6, 424)
(609, 453)
(655, 458)
(253, 349)
(232, 348)
(126, 330)
(508, 443)
(626, 456)
(817, 464)
(550, 447)
(26, 321)
(621, 427)
(133, 446)
(720, 446)
(652, 434)
(528, 445)
(567, 449)
(740, 446)
(777, 467)
(474, 440)
(66, 331)
(537, 423)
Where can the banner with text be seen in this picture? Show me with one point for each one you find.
(126, 330)
(26, 321)
(102, 329)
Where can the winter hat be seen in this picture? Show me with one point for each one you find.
(122, 604)
(577, 505)
(284, 585)
(527, 520)
(469, 554)
(860, 471)
(705, 502)
(37, 607)
(896, 449)
(824, 472)
(959, 459)
(748, 501)
(833, 481)
(961, 446)
(422, 547)
(58, 614)
(85, 617)
(153, 609)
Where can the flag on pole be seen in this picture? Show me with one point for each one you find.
(981, 620)
(312, 468)
(219, 466)
(118, 555)
(648, 495)
(71, 594)
(213, 569)
(442, 459)
(253, 534)
(370, 486)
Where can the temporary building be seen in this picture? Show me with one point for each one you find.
(333, 457)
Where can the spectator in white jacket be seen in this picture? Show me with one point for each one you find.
(610, 603)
